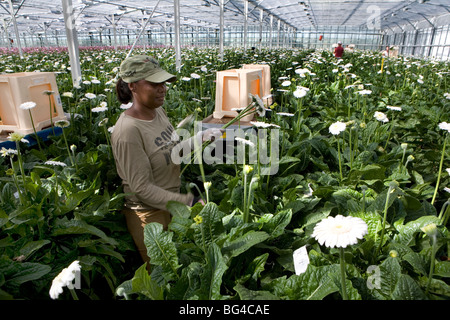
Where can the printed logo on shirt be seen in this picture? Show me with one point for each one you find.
(165, 143)
(164, 137)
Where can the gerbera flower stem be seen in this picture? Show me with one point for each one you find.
(339, 156)
(342, 263)
(432, 232)
(19, 159)
(390, 132)
(299, 119)
(74, 294)
(392, 186)
(34, 129)
(14, 175)
(247, 191)
(67, 147)
(51, 112)
(443, 215)
(440, 171)
(245, 216)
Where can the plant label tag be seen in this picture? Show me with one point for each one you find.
(301, 260)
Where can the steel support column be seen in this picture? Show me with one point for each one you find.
(72, 42)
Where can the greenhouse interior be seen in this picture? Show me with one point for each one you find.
(228, 150)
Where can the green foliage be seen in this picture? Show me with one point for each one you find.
(52, 215)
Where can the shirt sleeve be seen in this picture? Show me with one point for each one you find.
(136, 170)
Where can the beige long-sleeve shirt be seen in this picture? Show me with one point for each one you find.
(142, 151)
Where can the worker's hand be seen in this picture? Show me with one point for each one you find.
(212, 134)
(197, 199)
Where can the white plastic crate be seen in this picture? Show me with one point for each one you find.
(266, 83)
(232, 91)
(17, 88)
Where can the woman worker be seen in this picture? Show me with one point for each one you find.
(142, 145)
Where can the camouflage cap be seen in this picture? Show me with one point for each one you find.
(142, 67)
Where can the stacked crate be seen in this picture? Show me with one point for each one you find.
(37, 87)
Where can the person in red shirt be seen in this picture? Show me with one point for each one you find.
(339, 50)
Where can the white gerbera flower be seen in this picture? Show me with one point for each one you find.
(380, 116)
(300, 92)
(15, 136)
(195, 76)
(62, 123)
(286, 83)
(447, 95)
(64, 278)
(207, 185)
(339, 231)
(260, 109)
(260, 124)
(365, 92)
(7, 152)
(247, 169)
(286, 114)
(394, 108)
(302, 72)
(444, 126)
(90, 95)
(337, 127)
(99, 109)
(27, 105)
(245, 141)
(48, 92)
(55, 163)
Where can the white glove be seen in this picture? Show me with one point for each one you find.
(211, 134)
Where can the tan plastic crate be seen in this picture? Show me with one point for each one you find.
(232, 91)
(17, 88)
(266, 83)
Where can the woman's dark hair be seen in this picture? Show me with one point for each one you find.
(123, 92)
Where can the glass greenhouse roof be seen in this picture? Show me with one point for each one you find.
(95, 15)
